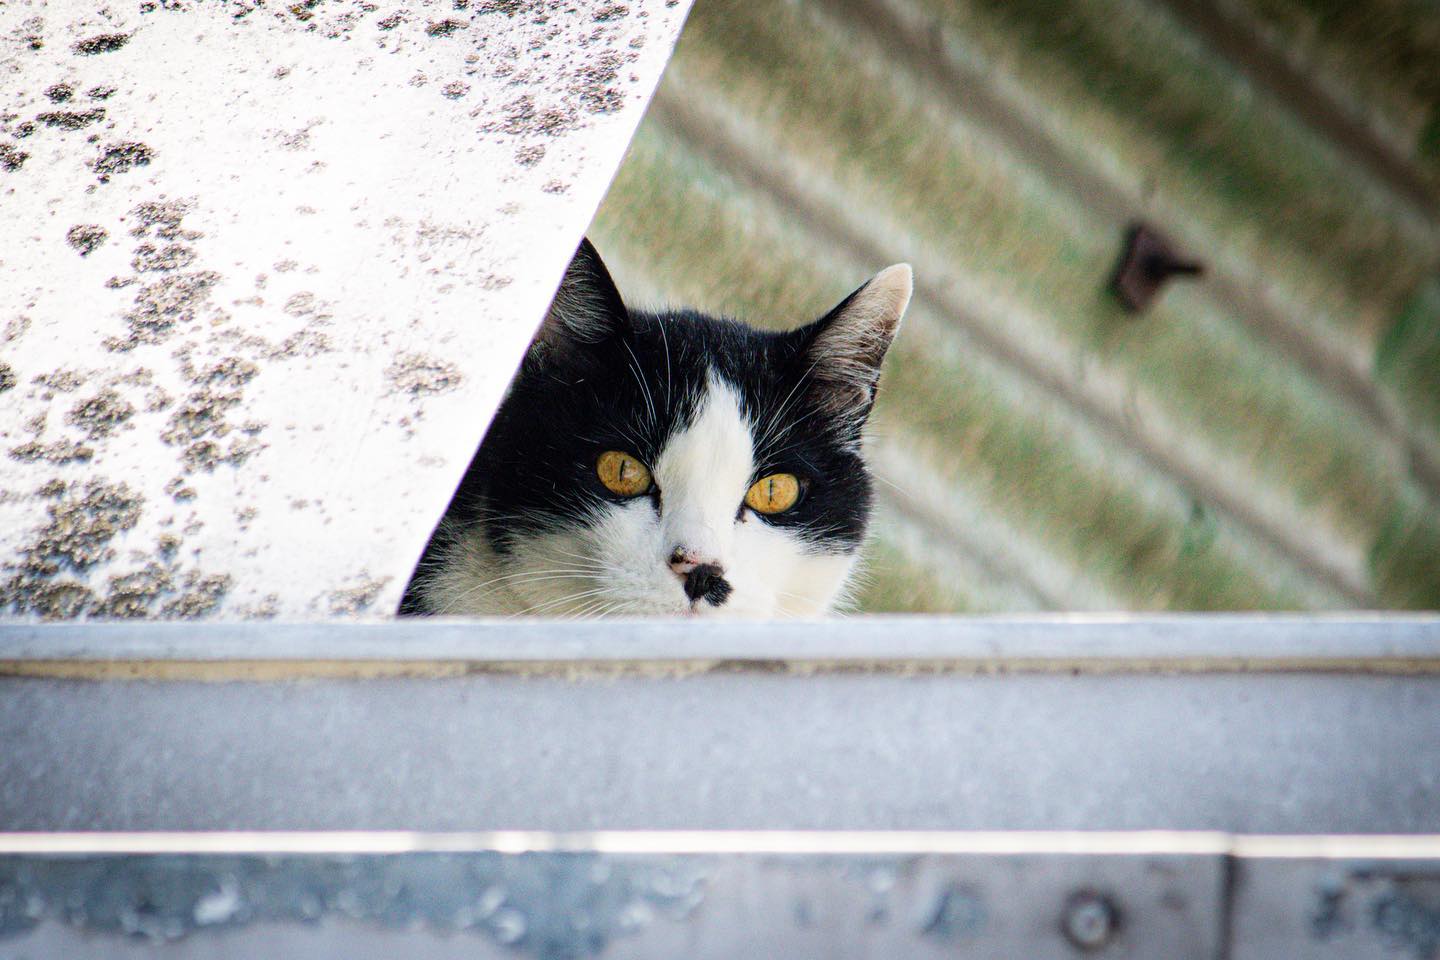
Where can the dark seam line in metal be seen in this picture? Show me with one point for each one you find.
(1229, 889)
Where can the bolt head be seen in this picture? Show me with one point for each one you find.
(1090, 920)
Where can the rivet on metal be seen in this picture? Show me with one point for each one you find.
(1090, 920)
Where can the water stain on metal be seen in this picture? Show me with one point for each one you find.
(1407, 916)
(552, 906)
(955, 913)
(1327, 916)
(1403, 911)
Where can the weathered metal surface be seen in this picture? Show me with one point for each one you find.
(1314, 909)
(267, 271)
(556, 905)
(548, 906)
(720, 895)
(884, 725)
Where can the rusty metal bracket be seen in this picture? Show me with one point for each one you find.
(1148, 262)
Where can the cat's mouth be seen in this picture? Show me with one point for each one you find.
(706, 584)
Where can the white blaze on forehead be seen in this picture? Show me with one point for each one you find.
(703, 473)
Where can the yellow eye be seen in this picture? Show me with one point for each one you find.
(773, 494)
(622, 473)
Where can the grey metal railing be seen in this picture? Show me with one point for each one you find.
(1234, 786)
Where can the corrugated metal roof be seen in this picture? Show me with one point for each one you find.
(1265, 437)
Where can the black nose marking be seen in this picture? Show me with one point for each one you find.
(707, 581)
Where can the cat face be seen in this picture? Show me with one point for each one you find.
(668, 464)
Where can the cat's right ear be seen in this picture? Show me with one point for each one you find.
(587, 310)
(844, 348)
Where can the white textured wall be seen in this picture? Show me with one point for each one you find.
(265, 272)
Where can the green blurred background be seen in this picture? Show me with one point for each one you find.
(1266, 437)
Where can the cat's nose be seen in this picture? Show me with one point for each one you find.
(702, 577)
(707, 582)
(683, 560)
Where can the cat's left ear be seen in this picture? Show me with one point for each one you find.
(846, 346)
(587, 310)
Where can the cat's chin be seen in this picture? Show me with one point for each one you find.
(686, 610)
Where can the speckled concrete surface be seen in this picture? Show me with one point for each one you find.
(267, 271)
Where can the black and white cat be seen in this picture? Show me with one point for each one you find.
(668, 464)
